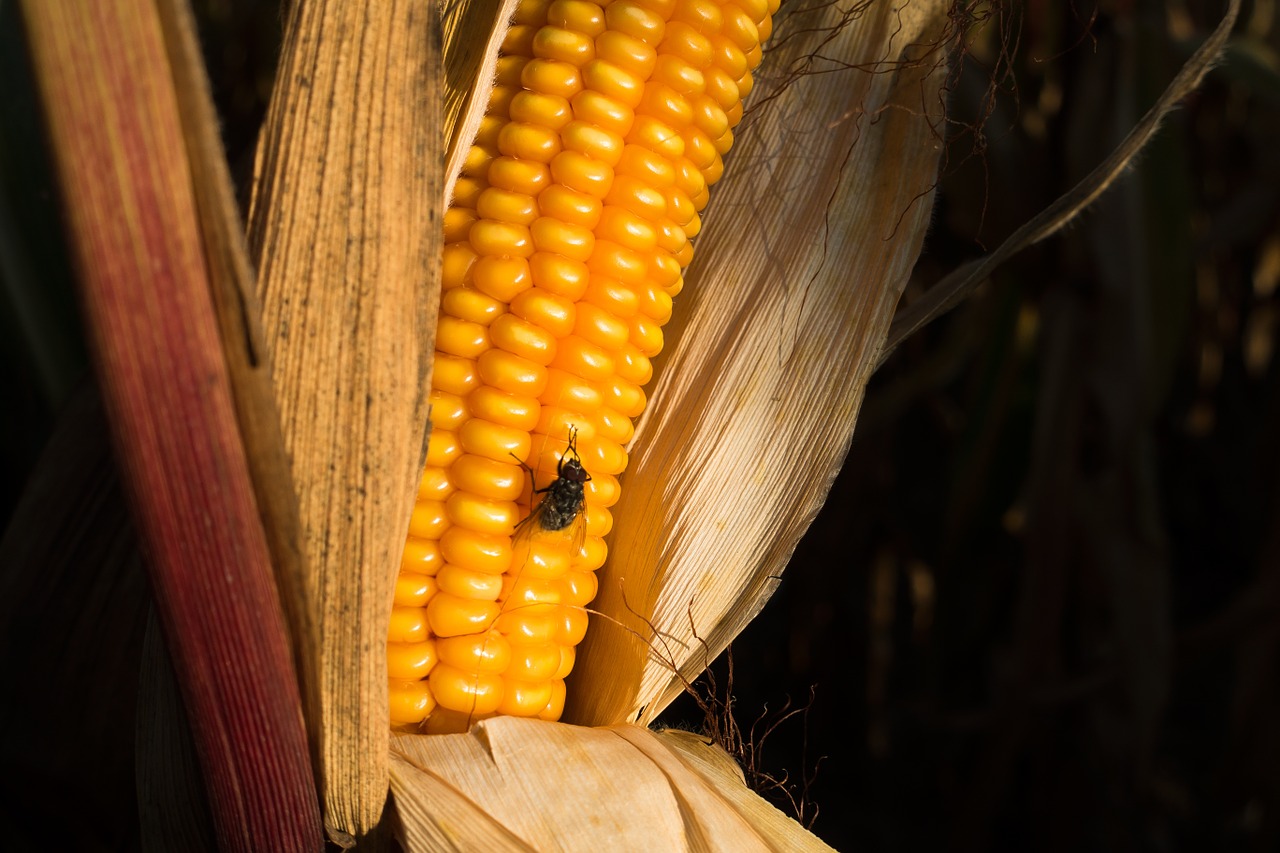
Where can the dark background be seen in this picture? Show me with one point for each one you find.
(1040, 608)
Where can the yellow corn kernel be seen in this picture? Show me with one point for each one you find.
(520, 176)
(627, 52)
(564, 45)
(469, 583)
(534, 663)
(517, 411)
(452, 615)
(583, 359)
(520, 337)
(556, 420)
(455, 265)
(523, 698)
(562, 203)
(483, 516)
(568, 655)
(505, 206)
(491, 237)
(488, 652)
(646, 336)
(562, 238)
(577, 15)
(550, 111)
(428, 520)
(461, 338)
(577, 171)
(512, 374)
(414, 590)
(502, 279)
(455, 375)
(612, 296)
(495, 480)
(555, 706)
(411, 701)
(457, 221)
(467, 692)
(518, 40)
(550, 77)
(421, 556)
(579, 588)
(561, 276)
(534, 624)
(602, 491)
(593, 548)
(614, 425)
(593, 141)
(568, 391)
(494, 441)
(602, 111)
(571, 627)
(634, 366)
(477, 551)
(630, 18)
(408, 624)
(599, 521)
(528, 141)
(603, 455)
(435, 485)
(541, 560)
(626, 229)
(467, 303)
(411, 660)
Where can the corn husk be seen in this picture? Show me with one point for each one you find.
(344, 228)
(523, 785)
(809, 240)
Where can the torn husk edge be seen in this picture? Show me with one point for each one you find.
(514, 784)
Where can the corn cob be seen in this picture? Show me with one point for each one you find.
(566, 240)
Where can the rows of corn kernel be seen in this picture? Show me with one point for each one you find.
(565, 241)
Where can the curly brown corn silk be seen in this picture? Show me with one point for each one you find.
(566, 240)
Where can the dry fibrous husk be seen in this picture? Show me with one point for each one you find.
(345, 231)
(522, 785)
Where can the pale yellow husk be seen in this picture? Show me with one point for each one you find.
(344, 229)
(809, 240)
(514, 784)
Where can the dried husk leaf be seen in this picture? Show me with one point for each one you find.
(473, 32)
(723, 773)
(808, 242)
(240, 322)
(520, 784)
(126, 178)
(345, 231)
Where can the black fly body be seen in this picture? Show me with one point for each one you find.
(563, 500)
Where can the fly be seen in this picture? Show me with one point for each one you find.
(563, 500)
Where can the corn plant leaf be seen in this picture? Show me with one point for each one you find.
(172, 801)
(344, 229)
(73, 605)
(107, 86)
(807, 243)
(519, 784)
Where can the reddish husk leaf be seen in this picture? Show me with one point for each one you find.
(126, 181)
